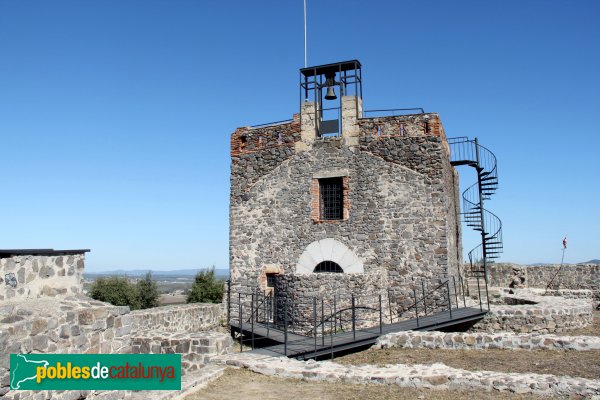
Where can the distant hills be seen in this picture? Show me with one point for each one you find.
(220, 273)
(594, 261)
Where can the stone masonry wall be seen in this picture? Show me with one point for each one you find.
(78, 324)
(196, 348)
(324, 287)
(178, 318)
(394, 220)
(530, 312)
(33, 276)
(402, 216)
(483, 340)
(572, 277)
(257, 151)
(61, 325)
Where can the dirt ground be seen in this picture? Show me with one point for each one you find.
(584, 364)
(243, 384)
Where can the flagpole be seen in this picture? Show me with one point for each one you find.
(305, 57)
(562, 260)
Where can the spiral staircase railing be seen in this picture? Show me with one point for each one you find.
(465, 151)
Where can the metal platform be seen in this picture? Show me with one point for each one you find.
(303, 347)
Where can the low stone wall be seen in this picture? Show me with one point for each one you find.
(436, 376)
(471, 341)
(526, 312)
(573, 277)
(32, 276)
(78, 324)
(331, 290)
(196, 348)
(179, 318)
(69, 325)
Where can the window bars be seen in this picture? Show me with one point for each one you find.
(331, 199)
(328, 266)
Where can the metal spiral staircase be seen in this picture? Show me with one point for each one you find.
(464, 151)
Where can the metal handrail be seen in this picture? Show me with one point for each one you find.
(428, 294)
(393, 109)
(272, 123)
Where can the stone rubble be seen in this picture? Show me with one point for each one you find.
(483, 340)
(526, 311)
(436, 376)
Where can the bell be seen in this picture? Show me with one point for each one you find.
(330, 94)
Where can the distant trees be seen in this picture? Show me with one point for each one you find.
(206, 288)
(119, 291)
(147, 292)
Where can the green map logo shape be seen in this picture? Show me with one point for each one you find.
(108, 371)
(24, 369)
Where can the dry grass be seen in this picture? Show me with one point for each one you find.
(168, 299)
(584, 364)
(244, 384)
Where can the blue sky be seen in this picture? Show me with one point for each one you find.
(115, 116)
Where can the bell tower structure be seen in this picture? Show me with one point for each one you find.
(341, 200)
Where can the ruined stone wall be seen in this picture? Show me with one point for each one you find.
(571, 277)
(531, 312)
(33, 276)
(484, 340)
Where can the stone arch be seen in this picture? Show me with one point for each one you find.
(329, 250)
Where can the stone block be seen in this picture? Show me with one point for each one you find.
(86, 317)
(39, 325)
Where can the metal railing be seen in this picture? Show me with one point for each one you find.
(392, 112)
(464, 151)
(262, 319)
(282, 122)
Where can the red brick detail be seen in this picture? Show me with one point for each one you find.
(346, 191)
(263, 277)
(315, 202)
(434, 127)
(249, 140)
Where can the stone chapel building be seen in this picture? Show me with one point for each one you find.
(338, 199)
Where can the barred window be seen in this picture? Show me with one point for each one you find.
(328, 266)
(271, 280)
(331, 199)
